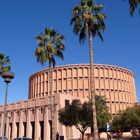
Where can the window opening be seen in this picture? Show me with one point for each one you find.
(42, 110)
(33, 111)
(66, 102)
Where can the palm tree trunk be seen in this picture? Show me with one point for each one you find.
(52, 102)
(95, 128)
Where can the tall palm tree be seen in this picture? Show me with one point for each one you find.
(3, 61)
(88, 19)
(49, 44)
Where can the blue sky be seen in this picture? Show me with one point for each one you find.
(21, 21)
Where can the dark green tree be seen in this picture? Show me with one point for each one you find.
(137, 110)
(3, 63)
(102, 118)
(50, 44)
(76, 114)
(88, 19)
(117, 120)
(80, 115)
(130, 118)
(126, 119)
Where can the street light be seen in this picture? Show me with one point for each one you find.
(8, 126)
(7, 78)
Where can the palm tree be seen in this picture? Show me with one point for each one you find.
(3, 61)
(133, 5)
(88, 19)
(50, 44)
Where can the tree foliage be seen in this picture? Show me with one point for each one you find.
(3, 63)
(127, 119)
(133, 5)
(76, 114)
(80, 115)
(103, 118)
(86, 15)
(50, 42)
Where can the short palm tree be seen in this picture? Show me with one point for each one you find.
(88, 19)
(3, 61)
(50, 44)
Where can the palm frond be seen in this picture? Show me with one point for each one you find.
(47, 31)
(133, 5)
(53, 32)
(53, 61)
(77, 28)
(60, 54)
(54, 50)
(83, 33)
(100, 35)
(73, 20)
(44, 57)
(93, 19)
(41, 55)
(94, 29)
(97, 8)
(100, 17)
(101, 26)
(83, 2)
(60, 39)
(60, 46)
(90, 3)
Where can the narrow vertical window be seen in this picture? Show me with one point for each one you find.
(66, 102)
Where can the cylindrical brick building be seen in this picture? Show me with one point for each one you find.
(32, 118)
(115, 83)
